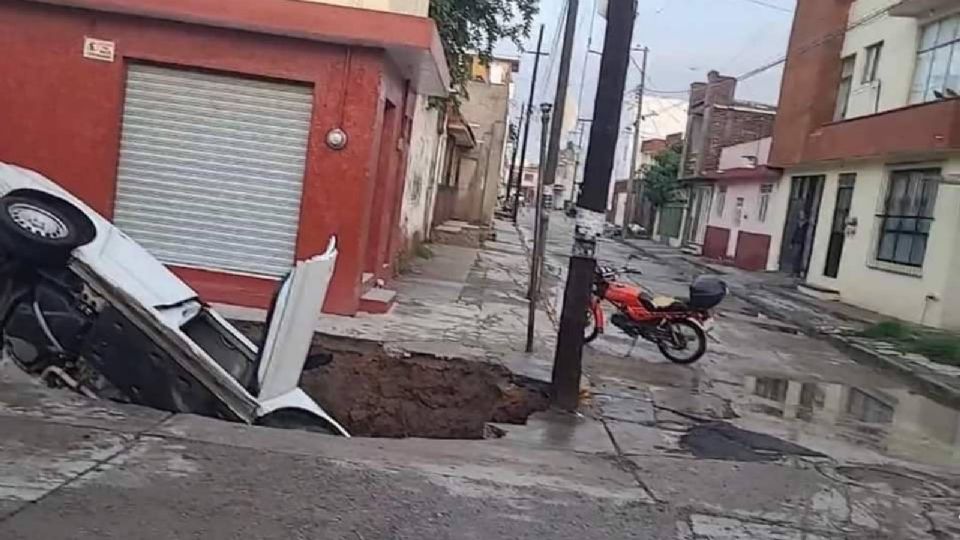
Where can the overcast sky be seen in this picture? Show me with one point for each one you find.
(687, 38)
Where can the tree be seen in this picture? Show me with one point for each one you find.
(473, 27)
(661, 186)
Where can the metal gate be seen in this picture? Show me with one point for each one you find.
(211, 168)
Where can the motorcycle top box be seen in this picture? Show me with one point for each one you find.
(706, 292)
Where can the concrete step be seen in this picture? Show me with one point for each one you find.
(377, 301)
(368, 281)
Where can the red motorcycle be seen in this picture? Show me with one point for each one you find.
(678, 327)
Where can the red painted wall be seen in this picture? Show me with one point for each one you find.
(61, 114)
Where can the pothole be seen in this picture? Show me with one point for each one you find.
(378, 393)
(723, 441)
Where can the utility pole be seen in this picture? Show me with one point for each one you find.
(526, 125)
(568, 366)
(515, 138)
(552, 132)
(633, 191)
(536, 263)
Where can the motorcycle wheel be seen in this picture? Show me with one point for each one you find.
(591, 332)
(687, 344)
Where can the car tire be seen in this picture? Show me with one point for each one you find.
(42, 229)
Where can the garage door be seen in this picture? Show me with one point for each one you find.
(211, 168)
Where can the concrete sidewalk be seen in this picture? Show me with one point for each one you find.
(463, 303)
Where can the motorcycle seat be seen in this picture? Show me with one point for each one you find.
(663, 304)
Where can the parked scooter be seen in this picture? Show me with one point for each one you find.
(678, 327)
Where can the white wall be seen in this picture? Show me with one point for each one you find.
(889, 289)
(732, 157)
(900, 37)
(422, 174)
(407, 7)
(750, 219)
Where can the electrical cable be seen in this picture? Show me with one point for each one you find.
(866, 19)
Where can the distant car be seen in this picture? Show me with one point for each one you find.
(612, 231)
(87, 307)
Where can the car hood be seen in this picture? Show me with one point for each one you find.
(112, 254)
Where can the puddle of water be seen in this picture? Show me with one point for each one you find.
(893, 421)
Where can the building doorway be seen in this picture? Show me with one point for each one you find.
(698, 215)
(806, 193)
(838, 231)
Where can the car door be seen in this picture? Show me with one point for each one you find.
(291, 326)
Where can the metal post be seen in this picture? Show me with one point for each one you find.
(632, 183)
(567, 367)
(536, 262)
(526, 125)
(555, 131)
(515, 137)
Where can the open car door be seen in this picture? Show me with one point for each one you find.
(291, 325)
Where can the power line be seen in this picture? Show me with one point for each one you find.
(556, 40)
(866, 19)
(770, 6)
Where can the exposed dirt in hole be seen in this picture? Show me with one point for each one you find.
(375, 393)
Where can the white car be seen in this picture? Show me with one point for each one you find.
(85, 306)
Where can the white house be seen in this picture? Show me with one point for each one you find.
(742, 220)
(867, 134)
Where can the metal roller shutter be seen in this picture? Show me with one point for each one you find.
(211, 168)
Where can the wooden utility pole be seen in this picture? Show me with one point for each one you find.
(526, 124)
(633, 191)
(592, 203)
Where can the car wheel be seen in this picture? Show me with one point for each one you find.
(42, 229)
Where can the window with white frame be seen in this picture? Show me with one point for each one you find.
(721, 200)
(938, 61)
(907, 216)
(872, 64)
(738, 217)
(846, 84)
(765, 191)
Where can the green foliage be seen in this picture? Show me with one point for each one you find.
(424, 252)
(888, 330)
(660, 182)
(469, 27)
(941, 347)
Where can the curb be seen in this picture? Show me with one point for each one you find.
(927, 383)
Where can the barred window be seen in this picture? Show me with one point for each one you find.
(908, 216)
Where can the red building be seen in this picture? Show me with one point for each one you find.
(203, 128)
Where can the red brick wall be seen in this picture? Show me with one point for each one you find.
(808, 92)
(61, 115)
